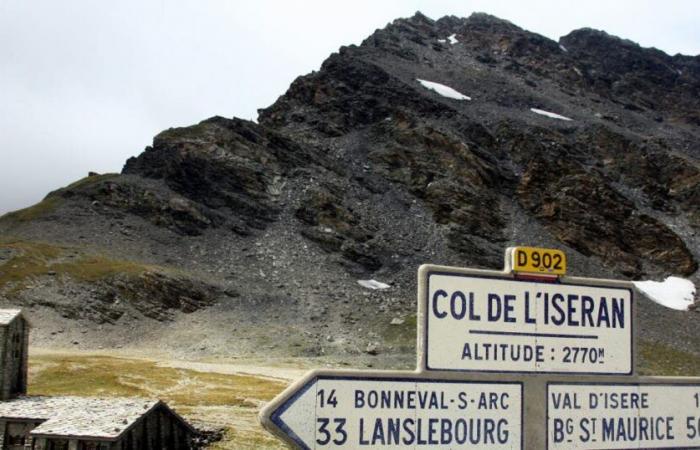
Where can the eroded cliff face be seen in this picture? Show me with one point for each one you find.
(360, 171)
(590, 181)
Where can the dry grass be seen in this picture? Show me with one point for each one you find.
(228, 401)
(401, 337)
(662, 360)
(34, 259)
(46, 206)
(28, 260)
(52, 201)
(87, 181)
(93, 268)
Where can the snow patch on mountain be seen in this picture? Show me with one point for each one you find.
(549, 114)
(373, 284)
(443, 90)
(673, 292)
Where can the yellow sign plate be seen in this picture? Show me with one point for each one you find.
(545, 261)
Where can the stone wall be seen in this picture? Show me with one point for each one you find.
(14, 339)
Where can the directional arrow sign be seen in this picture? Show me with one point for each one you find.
(623, 415)
(398, 410)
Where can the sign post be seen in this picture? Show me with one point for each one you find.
(491, 322)
(652, 414)
(376, 409)
(524, 358)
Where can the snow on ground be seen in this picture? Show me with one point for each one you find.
(453, 39)
(443, 90)
(549, 114)
(563, 49)
(373, 284)
(673, 292)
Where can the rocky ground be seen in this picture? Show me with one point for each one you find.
(238, 238)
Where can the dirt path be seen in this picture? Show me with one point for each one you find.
(284, 369)
(270, 372)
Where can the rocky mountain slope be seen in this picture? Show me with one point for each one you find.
(234, 237)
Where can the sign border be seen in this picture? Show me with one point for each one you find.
(426, 270)
(602, 383)
(270, 413)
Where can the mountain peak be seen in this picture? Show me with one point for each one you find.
(419, 17)
(591, 37)
(485, 18)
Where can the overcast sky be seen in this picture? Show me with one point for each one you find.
(86, 84)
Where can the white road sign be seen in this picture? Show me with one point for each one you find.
(623, 416)
(351, 410)
(476, 321)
